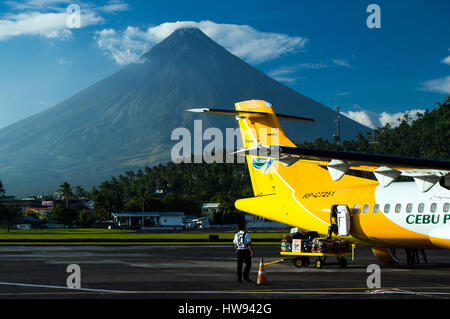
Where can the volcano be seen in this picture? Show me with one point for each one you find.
(124, 122)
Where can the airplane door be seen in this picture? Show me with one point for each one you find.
(343, 220)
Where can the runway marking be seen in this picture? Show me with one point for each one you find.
(299, 291)
(61, 287)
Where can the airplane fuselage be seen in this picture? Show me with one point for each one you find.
(299, 187)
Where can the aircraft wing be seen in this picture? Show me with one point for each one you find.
(365, 161)
(386, 168)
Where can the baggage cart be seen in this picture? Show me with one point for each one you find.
(302, 259)
(303, 250)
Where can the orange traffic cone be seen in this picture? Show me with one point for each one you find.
(262, 280)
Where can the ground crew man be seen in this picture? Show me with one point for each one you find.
(333, 227)
(422, 251)
(244, 251)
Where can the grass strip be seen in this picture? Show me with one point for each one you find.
(127, 235)
(37, 243)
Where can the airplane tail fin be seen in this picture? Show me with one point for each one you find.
(262, 137)
(261, 125)
(260, 130)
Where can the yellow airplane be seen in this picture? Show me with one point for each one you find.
(301, 187)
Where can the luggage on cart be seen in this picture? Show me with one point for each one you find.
(321, 248)
(307, 245)
(286, 243)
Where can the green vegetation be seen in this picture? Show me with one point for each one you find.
(66, 231)
(115, 236)
(176, 187)
(64, 215)
(66, 192)
(426, 137)
(9, 215)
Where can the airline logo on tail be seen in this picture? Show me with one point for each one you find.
(260, 163)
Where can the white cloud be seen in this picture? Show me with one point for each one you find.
(393, 119)
(284, 74)
(124, 48)
(242, 40)
(446, 60)
(440, 85)
(366, 118)
(374, 120)
(37, 4)
(114, 6)
(62, 61)
(342, 62)
(51, 25)
(313, 66)
(47, 18)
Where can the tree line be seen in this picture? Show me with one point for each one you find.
(427, 136)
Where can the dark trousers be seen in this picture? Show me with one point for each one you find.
(243, 256)
(332, 229)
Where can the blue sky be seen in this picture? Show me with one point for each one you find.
(322, 49)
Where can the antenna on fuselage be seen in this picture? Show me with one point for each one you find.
(337, 136)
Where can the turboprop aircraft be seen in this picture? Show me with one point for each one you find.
(300, 187)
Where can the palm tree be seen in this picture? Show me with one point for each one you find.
(80, 192)
(142, 193)
(66, 191)
(2, 190)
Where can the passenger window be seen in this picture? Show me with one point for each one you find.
(409, 208)
(433, 208)
(421, 207)
(366, 209)
(376, 208)
(398, 208)
(355, 209)
(446, 207)
(387, 207)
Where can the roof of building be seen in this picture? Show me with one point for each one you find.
(211, 205)
(146, 214)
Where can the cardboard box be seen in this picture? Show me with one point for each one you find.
(296, 245)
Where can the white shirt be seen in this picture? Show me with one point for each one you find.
(242, 239)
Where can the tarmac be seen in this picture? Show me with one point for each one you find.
(207, 272)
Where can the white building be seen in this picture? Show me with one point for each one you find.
(253, 221)
(209, 208)
(149, 220)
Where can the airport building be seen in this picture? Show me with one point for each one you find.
(209, 208)
(256, 222)
(149, 220)
(251, 221)
(40, 206)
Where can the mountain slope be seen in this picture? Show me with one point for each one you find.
(125, 121)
